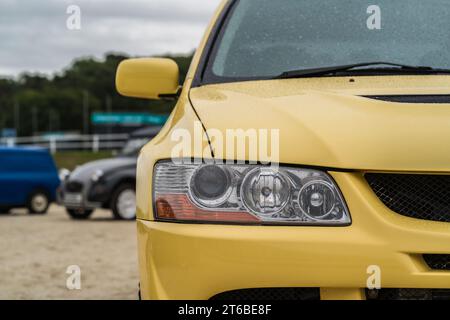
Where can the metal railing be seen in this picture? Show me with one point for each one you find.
(94, 143)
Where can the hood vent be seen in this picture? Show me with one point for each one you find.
(414, 98)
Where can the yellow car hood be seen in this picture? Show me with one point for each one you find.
(329, 122)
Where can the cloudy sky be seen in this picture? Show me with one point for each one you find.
(34, 36)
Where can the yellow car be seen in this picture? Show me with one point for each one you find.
(308, 156)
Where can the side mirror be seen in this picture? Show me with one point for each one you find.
(149, 78)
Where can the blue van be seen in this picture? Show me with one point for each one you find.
(28, 178)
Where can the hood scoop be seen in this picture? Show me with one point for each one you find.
(437, 99)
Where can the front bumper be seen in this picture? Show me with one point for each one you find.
(186, 261)
(76, 200)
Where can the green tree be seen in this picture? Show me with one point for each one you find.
(56, 103)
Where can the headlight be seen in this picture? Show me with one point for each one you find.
(210, 186)
(63, 174)
(97, 175)
(247, 194)
(265, 192)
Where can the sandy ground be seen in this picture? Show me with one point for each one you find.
(35, 252)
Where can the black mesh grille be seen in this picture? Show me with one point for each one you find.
(290, 294)
(409, 294)
(424, 197)
(266, 294)
(438, 261)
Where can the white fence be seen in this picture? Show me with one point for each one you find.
(92, 143)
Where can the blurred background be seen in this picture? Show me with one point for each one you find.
(58, 60)
(57, 77)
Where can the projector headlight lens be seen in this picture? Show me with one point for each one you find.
(247, 194)
(317, 199)
(210, 185)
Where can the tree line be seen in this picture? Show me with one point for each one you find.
(33, 103)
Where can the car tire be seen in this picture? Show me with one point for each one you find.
(38, 202)
(123, 202)
(79, 214)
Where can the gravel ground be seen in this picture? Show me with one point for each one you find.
(35, 252)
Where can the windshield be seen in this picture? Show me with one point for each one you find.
(133, 146)
(264, 38)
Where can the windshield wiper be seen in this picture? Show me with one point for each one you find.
(360, 67)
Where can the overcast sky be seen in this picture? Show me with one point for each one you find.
(34, 36)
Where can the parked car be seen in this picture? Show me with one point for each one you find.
(359, 204)
(108, 184)
(28, 178)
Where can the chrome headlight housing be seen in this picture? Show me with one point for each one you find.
(244, 194)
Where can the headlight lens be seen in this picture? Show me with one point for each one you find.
(265, 191)
(317, 200)
(210, 185)
(63, 174)
(247, 194)
(97, 175)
